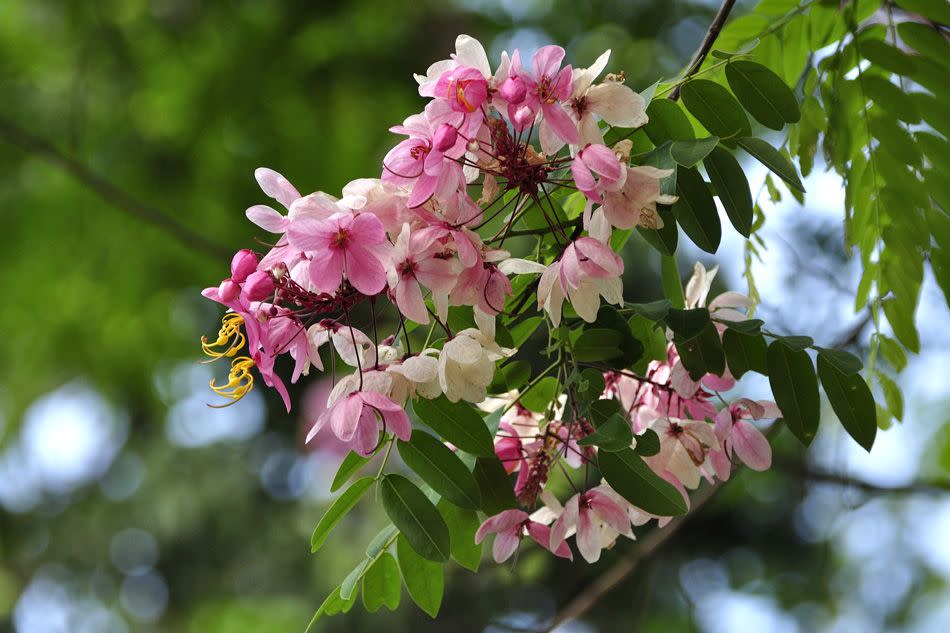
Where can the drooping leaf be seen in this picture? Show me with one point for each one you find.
(763, 93)
(440, 468)
(495, 487)
(628, 474)
(351, 463)
(332, 605)
(702, 354)
(884, 55)
(777, 163)
(541, 395)
(795, 387)
(612, 435)
(628, 349)
(902, 323)
(851, 400)
(381, 586)
(597, 344)
(926, 41)
(688, 153)
(892, 395)
(425, 580)
(696, 211)
(654, 310)
(687, 323)
(796, 342)
(665, 238)
(417, 519)
(845, 362)
(348, 586)
(732, 187)
(672, 282)
(462, 525)
(744, 353)
(648, 443)
(716, 109)
(343, 504)
(667, 122)
(456, 422)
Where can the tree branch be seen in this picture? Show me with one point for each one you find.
(109, 192)
(840, 479)
(711, 34)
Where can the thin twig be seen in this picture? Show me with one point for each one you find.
(711, 34)
(108, 191)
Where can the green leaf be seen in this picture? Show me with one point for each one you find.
(415, 517)
(629, 349)
(893, 353)
(795, 388)
(632, 479)
(613, 435)
(665, 238)
(495, 486)
(744, 353)
(891, 98)
(540, 396)
(925, 41)
(727, 177)
(462, 525)
(851, 400)
(654, 310)
(523, 330)
(892, 395)
(667, 122)
(380, 541)
(348, 586)
(351, 463)
(672, 282)
(602, 410)
(796, 342)
(763, 94)
(716, 109)
(749, 326)
(381, 584)
(773, 159)
(424, 579)
(688, 153)
(696, 211)
(439, 467)
(597, 344)
(687, 323)
(458, 423)
(845, 362)
(884, 55)
(648, 443)
(936, 10)
(343, 504)
(702, 354)
(595, 384)
(902, 322)
(332, 605)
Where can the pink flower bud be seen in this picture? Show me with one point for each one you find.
(513, 90)
(243, 264)
(228, 291)
(259, 285)
(444, 138)
(522, 117)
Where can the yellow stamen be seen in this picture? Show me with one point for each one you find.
(230, 338)
(240, 381)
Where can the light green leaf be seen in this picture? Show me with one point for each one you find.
(716, 109)
(343, 504)
(381, 584)
(668, 122)
(688, 153)
(462, 527)
(424, 579)
(613, 435)
(351, 463)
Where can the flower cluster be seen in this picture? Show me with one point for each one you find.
(414, 244)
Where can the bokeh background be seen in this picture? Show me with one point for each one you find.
(127, 505)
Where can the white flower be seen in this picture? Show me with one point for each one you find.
(416, 375)
(467, 365)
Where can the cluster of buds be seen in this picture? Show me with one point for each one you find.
(415, 242)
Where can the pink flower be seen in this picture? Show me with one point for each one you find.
(416, 258)
(430, 169)
(548, 87)
(585, 512)
(625, 207)
(610, 100)
(600, 160)
(510, 527)
(587, 270)
(342, 244)
(354, 419)
(684, 445)
(737, 435)
(465, 88)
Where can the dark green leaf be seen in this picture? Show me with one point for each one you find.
(668, 122)
(592, 384)
(795, 388)
(597, 344)
(632, 479)
(926, 41)
(351, 463)
(458, 423)
(744, 352)
(688, 153)
(731, 185)
(687, 323)
(750, 326)
(796, 342)
(439, 467)
(381, 584)
(462, 527)
(696, 211)
(603, 410)
(415, 516)
(702, 354)
(716, 109)
(648, 443)
(613, 435)
(424, 579)
(777, 163)
(851, 400)
(887, 57)
(845, 362)
(763, 94)
(343, 504)
(665, 238)
(936, 10)
(655, 310)
(629, 349)
(541, 395)
(495, 486)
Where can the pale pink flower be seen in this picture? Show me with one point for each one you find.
(737, 435)
(584, 513)
(611, 101)
(356, 417)
(684, 445)
(587, 270)
(625, 207)
(510, 527)
(343, 244)
(416, 259)
(600, 160)
(548, 87)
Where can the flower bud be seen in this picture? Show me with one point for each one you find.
(259, 285)
(513, 90)
(243, 264)
(228, 291)
(523, 117)
(444, 138)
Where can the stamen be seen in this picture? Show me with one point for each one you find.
(240, 381)
(230, 338)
